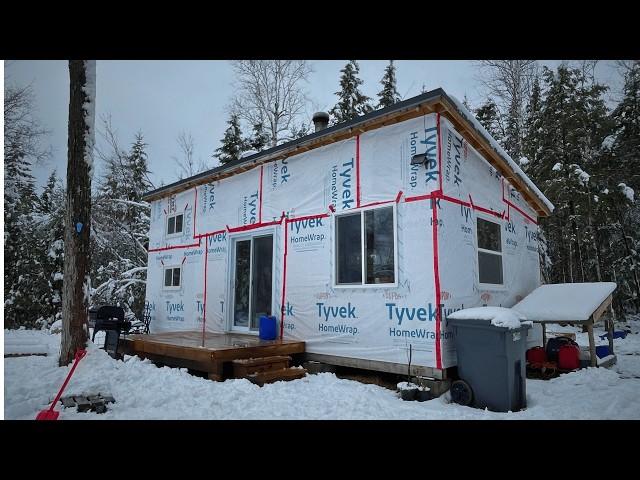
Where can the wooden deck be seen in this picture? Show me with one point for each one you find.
(186, 350)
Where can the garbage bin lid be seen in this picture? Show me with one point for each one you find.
(498, 316)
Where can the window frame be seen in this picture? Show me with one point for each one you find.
(164, 274)
(175, 233)
(490, 219)
(360, 211)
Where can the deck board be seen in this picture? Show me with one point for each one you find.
(181, 348)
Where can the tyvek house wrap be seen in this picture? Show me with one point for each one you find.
(297, 200)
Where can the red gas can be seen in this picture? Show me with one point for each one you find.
(568, 357)
(536, 355)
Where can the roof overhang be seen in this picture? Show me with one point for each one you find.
(435, 101)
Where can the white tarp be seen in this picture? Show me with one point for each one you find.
(367, 171)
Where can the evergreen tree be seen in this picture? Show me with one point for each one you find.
(489, 117)
(22, 148)
(351, 102)
(303, 131)
(260, 139)
(465, 102)
(121, 224)
(512, 141)
(532, 128)
(618, 208)
(232, 143)
(389, 93)
(48, 242)
(570, 126)
(625, 137)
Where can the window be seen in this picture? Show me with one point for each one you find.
(172, 277)
(489, 252)
(174, 224)
(368, 234)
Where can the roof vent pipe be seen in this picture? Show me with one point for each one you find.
(321, 120)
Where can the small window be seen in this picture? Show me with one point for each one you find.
(489, 252)
(172, 277)
(368, 235)
(174, 224)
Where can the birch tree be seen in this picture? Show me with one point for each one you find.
(270, 92)
(508, 83)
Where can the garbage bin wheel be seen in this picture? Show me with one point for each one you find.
(461, 392)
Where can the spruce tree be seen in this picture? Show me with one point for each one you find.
(570, 126)
(351, 102)
(121, 224)
(625, 139)
(260, 138)
(489, 117)
(23, 277)
(389, 93)
(49, 249)
(465, 102)
(232, 143)
(532, 127)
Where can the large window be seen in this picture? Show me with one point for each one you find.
(489, 252)
(368, 235)
(172, 277)
(174, 224)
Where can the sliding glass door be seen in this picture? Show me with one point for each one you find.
(252, 281)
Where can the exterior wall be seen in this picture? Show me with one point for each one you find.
(297, 200)
(472, 188)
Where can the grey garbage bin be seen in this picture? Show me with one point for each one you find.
(491, 365)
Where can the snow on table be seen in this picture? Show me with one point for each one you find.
(564, 301)
(499, 316)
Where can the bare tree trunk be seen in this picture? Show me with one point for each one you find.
(76, 289)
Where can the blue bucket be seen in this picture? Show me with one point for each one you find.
(267, 327)
(602, 351)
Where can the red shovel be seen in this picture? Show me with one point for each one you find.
(50, 413)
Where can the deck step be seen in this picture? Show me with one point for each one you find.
(284, 374)
(248, 366)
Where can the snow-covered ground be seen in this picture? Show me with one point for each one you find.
(144, 391)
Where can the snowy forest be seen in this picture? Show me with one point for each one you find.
(581, 150)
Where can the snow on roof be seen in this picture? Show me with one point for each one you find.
(499, 316)
(564, 301)
(496, 146)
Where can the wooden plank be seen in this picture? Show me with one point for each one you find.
(611, 327)
(608, 362)
(592, 345)
(244, 367)
(68, 402)
(398, 368)
(179, 362)
(258, 351)
(14, 355)
(601, 309)
(261, 360)
(216, 373)
(84, 405)
(285, 374)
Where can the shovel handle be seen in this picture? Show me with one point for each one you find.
(79, 355)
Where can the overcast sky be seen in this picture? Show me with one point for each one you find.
(163, 98)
